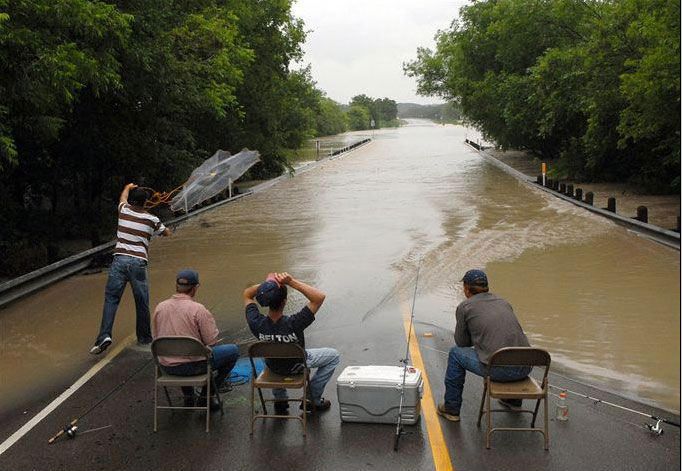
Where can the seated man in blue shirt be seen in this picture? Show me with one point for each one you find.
(276, 327)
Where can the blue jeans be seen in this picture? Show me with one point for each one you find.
(126, 269)
(223, 360)
(325, 360)
(463, 359)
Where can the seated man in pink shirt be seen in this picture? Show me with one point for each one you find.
(182, 315)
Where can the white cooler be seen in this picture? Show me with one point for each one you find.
(372, 394)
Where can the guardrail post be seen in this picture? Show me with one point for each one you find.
(642, 214)
(562, 188)
(569, 190)
(611, 204)
(579, 194)
(589, 198)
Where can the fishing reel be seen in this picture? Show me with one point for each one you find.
(655, 429)
(70, 431)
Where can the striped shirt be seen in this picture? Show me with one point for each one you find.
(135, 229)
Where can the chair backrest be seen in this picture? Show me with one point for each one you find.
(520, 356)
(179, 346)
(277, 350)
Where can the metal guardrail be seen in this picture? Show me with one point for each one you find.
(347, 148)
(33, 281)
(42, 277)
(656, 233)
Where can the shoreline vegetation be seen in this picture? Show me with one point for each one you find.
(95, 95)
(591, 87)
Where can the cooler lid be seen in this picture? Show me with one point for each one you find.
(379, 375)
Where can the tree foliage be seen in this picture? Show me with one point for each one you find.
(383, 111)
(358, 117)
(593, 84)
(331, 118)
(95, 94)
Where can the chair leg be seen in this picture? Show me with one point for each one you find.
(253, 405)
(546, 422)
(156, 394)
(535, 413)
(262, 401)
(480, 410)
(208, 400)
(489, 419)
(307, 376)
(305, 412)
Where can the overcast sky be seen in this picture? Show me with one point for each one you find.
(359, 47)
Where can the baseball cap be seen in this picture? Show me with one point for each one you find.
(270, 293)
(187, 278)
(475, 278)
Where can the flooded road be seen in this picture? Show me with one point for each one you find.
(603, 301)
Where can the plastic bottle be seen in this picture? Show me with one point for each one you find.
(562, 407)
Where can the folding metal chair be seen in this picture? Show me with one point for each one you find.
(270, 380)
(527, 388)
(181, 346)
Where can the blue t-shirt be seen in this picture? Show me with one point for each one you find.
(286, 329)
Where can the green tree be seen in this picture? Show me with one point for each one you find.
(592, 84)
(387, 109)
(94, 94)
(358, 117)
(50, 53)
(331, 119)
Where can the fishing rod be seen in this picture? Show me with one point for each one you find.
(71, 428)
(399, 425)
(655, 428)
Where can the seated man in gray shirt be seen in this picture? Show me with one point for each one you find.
(485, 323)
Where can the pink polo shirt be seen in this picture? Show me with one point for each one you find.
(181, 315)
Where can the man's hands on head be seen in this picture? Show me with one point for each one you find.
(314, 295)
(250, 294)
(283, 278)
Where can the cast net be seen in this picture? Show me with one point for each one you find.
(215, 175)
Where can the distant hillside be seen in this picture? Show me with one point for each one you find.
(449, 112)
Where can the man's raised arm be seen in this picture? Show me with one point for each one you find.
(124, 194)
(250, 295)
(314, 295)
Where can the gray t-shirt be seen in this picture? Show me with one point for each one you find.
(488, 323)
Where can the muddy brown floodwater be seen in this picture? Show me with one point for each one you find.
(603, 301)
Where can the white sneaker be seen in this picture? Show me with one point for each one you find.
(100, 347)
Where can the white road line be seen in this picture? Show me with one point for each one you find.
(16, 436)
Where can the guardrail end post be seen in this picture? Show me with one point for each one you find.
(611, 204)
(589, 198)
(642, 214)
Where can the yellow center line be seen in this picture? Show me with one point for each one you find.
(439, 449)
